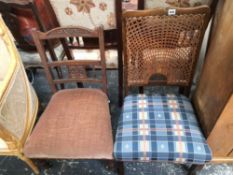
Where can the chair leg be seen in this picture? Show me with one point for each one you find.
(45, 163)
(29, 163)
(181, 90)
(80, 85)
(110, 164)
(141, 90)
(120, 168)
(194, 168)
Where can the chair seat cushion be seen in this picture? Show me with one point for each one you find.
(75, 125)
(160, 127)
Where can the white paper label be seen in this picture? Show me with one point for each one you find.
(171, 12)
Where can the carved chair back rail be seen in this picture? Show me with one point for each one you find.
(72, 65)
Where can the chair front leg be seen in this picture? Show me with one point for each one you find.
(29, 163)
(120, 168)
(194, 168)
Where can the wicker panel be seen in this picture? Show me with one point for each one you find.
(4, 66)
(160, 47)
(13, 112)
(18, 102)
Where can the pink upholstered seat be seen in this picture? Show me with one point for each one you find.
(81, 128)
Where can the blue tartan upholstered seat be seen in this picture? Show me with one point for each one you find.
(160, 127)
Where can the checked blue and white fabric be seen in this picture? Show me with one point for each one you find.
(160, 127)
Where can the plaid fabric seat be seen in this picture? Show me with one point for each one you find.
(160, 127)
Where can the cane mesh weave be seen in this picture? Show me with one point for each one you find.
(162, 45)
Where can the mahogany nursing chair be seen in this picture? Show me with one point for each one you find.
(161, 47)
(76, 123)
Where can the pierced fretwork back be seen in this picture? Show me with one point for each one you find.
(68, 70)
(162, 48)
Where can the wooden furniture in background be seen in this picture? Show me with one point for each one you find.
(213, 96)
(18, 101)
(24, 16)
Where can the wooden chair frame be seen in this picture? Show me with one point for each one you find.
(183, 88)
(63, 33)
(113, 39)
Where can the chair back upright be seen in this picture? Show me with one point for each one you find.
(161, 46)
(66, 70)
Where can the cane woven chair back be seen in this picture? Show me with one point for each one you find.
(67, 70)
(161, 48)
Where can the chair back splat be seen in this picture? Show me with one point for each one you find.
(161, 46)
(68, 69)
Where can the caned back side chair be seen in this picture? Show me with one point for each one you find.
(161, 47)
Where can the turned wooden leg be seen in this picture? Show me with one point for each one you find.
(194, 168)
(29, 163)
(120, 168)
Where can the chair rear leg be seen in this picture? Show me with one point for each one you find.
(141, 89)
(29, 163)
(120, 168)
(194, 168)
